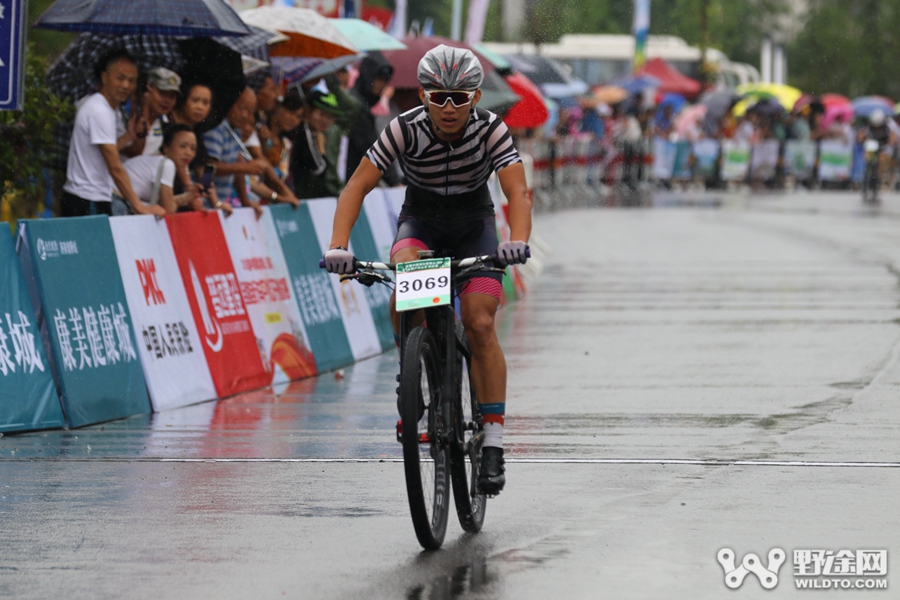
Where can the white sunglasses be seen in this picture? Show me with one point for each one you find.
(440, 97)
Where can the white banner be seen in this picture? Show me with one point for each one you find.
(383, 226)
(357, 316)
(174, 363)
(268, 294)
(478, 10)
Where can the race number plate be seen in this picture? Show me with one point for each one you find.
(423, 283)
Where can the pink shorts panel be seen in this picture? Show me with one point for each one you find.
(408, 243)
(482, 285)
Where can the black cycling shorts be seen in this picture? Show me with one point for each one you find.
(461, 239)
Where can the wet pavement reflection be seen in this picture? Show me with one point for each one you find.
(691, 378)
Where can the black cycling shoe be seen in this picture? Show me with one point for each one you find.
(491, 478)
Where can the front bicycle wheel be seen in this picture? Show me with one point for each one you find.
(425, 455)
(466, 461)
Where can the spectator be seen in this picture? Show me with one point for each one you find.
(230, 156)
(374, 74)
(154, 105)
(310, 163)
(285, 118)
(93, 165)
(153, 176)
(192, 109)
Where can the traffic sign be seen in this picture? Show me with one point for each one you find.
(12, 53)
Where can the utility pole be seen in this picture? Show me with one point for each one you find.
(705, 67)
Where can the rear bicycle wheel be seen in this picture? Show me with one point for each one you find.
(465, 462)
(425, 455)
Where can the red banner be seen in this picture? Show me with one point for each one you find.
(215, 296)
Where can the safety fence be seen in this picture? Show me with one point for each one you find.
(586, 161)
(104, 318)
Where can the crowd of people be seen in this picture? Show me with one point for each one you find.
(142, 142)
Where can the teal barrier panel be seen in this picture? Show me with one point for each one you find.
(379, 295)
(318, 304)
(28, 398)
(72, 272)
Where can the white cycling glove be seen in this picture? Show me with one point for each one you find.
(512, 253)
(340, 261)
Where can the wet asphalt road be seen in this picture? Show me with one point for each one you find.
(682, 379)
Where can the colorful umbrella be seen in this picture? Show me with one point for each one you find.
(366, 36)
(530, 111)
(610, 94)
(866, 105)
(831, 100)
(689, 118)
(192, 18)
(786, 95)
(309, 33)
(718, 103)
(837, 111)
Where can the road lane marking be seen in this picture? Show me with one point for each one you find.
(568, 461)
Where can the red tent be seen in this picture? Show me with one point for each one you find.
(673, 82)
(530, 111)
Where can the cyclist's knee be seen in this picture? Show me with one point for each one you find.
(479, 328)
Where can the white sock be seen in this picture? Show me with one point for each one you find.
(493, 435)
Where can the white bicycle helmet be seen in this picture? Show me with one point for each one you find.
(448, 68)
(877, 117)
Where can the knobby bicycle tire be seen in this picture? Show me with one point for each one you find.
(465, 462)
(426, 457)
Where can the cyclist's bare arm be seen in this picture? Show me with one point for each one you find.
(512, 182)
(363, 181)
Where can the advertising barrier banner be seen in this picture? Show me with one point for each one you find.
(736, 160)
(835, 160)
(28, 398)
(382, 222)
(663, 159)
(377, 295)
(315, 296)
(168, 342)
(220, 313)
(268, 295)
(706, 155)
(799, 158)
(681, 168)
(85, 317)
(765, 160)
(352, 299)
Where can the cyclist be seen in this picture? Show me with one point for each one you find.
(447, 149)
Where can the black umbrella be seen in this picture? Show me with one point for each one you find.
(220, 68)
(144, 17)
(718, 103)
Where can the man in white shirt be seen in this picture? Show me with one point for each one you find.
(94, 167)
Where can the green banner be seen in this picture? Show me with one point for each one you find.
(318, 305)
(74, 271)
(379, 295)
(28, 398)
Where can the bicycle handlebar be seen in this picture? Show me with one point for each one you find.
(463, 262)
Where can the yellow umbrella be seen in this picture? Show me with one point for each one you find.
(786, 95)
(610, 94)
(309, 33)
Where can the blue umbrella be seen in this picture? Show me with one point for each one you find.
(864, 106)
(637, 84)
(676, 101)
(194, 18)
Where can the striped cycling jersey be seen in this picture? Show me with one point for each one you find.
(446, 168)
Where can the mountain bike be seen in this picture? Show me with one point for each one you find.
(440, 427)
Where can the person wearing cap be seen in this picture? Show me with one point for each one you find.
(313, 167)
(448, 148)
(154, 106)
